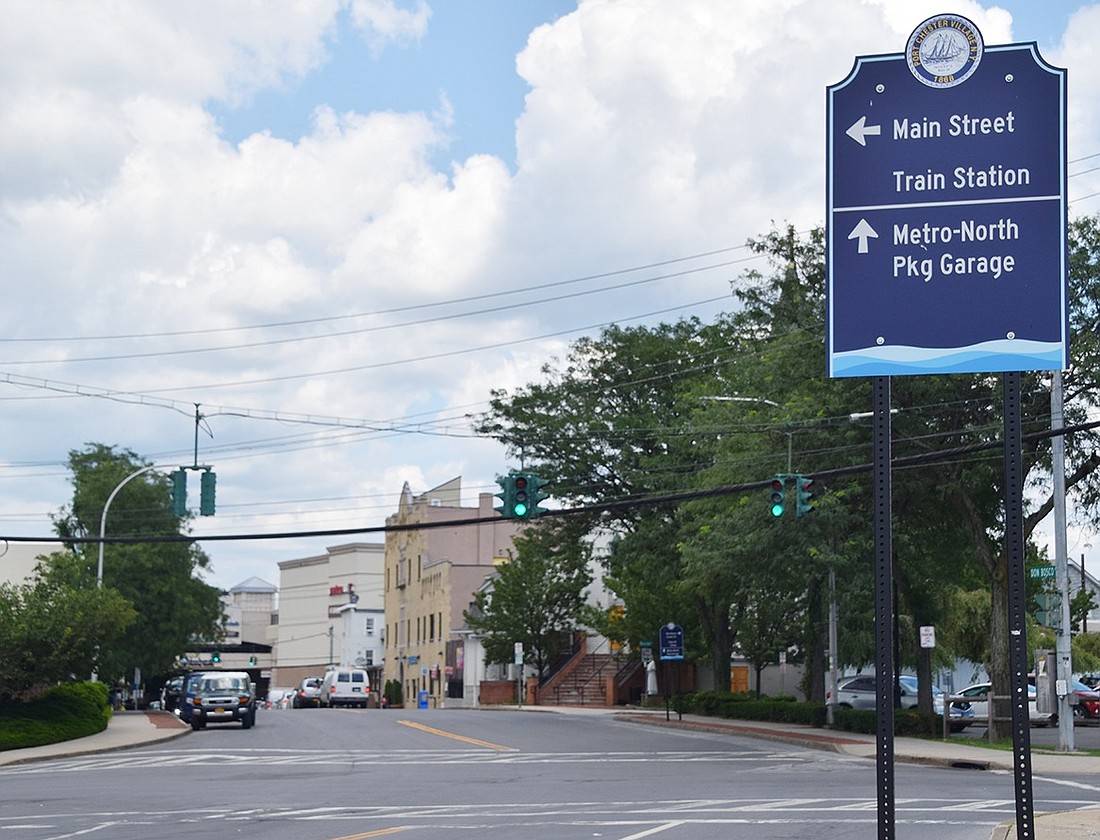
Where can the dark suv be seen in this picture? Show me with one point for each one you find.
(219, 697)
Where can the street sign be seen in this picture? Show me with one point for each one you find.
(672, 641)
(946, 193)
(1041, 572)
(928, 636)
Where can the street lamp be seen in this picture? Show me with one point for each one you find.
(103, 529)
(103, 519)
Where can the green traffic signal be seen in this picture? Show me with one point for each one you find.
(536, 495)
(505, 495)
(179, 492)
(804, 493)
(519, 498)
(520, 494)
(207, 484)
(778, 493)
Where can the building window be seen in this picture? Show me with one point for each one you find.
(370, 625)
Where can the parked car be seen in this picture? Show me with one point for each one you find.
(219, 697)
(308, 693)
(976, 695)
(279, 698)
(345, 687)
(859, 692)
(1088, 702)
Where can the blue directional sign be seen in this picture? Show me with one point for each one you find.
(672, 641)
(946, 192)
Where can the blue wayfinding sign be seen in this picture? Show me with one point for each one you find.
(946, 192)
(671, 640)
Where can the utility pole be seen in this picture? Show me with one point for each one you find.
(1062, 643)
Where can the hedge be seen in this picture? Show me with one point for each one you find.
(61, 713)
(906, 722)
(747, 707)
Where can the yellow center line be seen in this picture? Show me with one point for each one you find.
(382, 832)
(455, 737)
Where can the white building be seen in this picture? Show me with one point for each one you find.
(19, 559)
(330, 613)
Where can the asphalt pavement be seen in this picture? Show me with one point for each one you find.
(137, 729)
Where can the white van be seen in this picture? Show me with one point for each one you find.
(345, 687)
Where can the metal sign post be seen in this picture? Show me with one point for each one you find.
(946, 252)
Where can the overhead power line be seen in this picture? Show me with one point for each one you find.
(618, 505)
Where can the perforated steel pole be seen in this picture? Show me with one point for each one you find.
(884, 607)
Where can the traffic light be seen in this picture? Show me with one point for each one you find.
(520, 501)
(535, 494)
(1049, 613)
(206, 493)
(179, 492)
(506, 495)
(804, 493)
(778, 496)
(520, 494)
(252, 661)
(216, 657)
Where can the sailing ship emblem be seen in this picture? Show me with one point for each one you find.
(944, 51)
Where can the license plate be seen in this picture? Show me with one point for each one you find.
(356, 688)
(220, 711)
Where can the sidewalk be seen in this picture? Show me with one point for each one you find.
(126, 729)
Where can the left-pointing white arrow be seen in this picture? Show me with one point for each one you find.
(863, 231)
(860, 131)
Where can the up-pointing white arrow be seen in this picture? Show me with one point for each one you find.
(862, 232)
(860, 131)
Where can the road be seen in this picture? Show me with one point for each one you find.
(532, 775)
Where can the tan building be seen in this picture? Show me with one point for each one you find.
(431, 575)
(330, 613)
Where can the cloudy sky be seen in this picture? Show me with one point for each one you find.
(335, 225)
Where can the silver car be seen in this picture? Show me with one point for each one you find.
(859, 692)
(977, 696)
(308, 693)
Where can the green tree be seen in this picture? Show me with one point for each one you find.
(50, 632)
(689, 407)
(160, 579)
(536, 597)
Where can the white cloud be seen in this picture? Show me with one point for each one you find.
(652, 131)
(385, 22)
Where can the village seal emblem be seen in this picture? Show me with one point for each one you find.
(944, 51)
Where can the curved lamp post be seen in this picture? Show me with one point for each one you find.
(103, 519)
(103, 529)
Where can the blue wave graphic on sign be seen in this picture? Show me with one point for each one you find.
(986, 356)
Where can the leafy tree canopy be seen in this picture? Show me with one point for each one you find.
(161, 580)
(535, 598)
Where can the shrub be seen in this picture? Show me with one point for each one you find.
(906, 722)
(392, 692)
(61, 713)
(747, 707)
